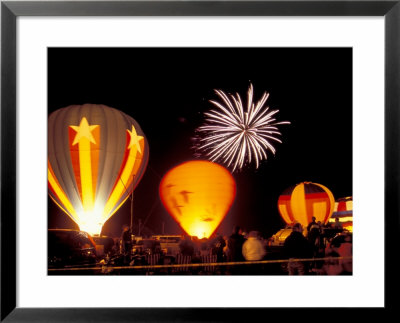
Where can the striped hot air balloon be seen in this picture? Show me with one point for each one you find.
(301, 202)
(96, 157)
(344, 211)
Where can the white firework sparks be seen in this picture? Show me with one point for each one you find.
(237, 136)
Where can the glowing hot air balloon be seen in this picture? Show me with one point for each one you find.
(301, 202)
(96, 157)
(198, 195)
(344, 212)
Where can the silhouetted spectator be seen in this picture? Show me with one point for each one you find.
(338, 226)
(226, 238)
(235, 244)
(340, 247)
(313, 235)
(186, 246)
(217, 248)
(126, 243)
(295, 247)
(346, 250)
(320, 245)
(126, 239)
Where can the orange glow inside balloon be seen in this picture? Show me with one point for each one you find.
(198, 195)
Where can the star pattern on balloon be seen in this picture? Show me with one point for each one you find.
(91, 171)
(135, 139)
(84, 130)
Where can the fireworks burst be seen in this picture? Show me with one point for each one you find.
(235, 136)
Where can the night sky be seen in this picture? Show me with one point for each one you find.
(166, 90)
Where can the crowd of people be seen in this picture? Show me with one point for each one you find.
(315, 243)
(302, 243)
(239, 246)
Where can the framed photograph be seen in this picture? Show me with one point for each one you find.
(137, 135)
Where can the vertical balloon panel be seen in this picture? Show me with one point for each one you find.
(198, 195)
(96, 157)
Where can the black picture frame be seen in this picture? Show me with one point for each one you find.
(11, 10)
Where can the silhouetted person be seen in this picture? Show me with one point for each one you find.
(295, 247)
(312, 225)
(218, 245)
(126, 242)
(235, 244)
(226, 238)
(186, 246)
(338, 225)
(313, 235)
(339, 249)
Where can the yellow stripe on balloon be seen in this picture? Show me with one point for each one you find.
(342, 219)
(331, 202)
(298, 204)
(137, 165)
(349, 205)
(84, 138)
(283, 209)
(64, 210)
(85, 164)
(61, 195)
(121, 185)
(117, 208)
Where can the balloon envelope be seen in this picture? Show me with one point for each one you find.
(96, 157)
(301, 202)
(198, 195)
(344, 211)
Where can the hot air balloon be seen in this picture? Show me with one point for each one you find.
(198, 195)
(301, 202)
(96, 157)
(344, 211)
